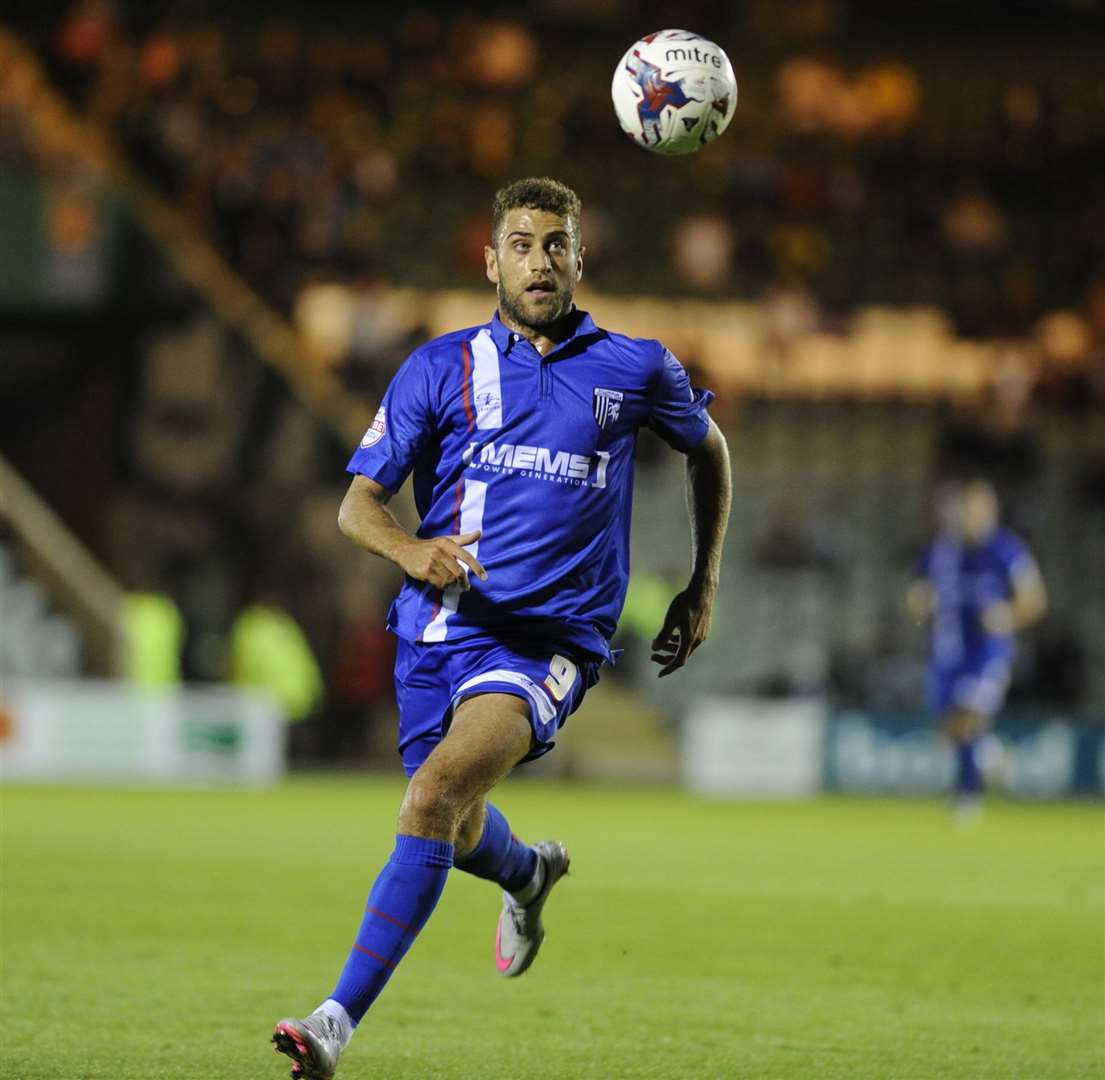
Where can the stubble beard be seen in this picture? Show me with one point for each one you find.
(511, 306)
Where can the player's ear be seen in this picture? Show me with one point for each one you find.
(579, 262)
(491, 263)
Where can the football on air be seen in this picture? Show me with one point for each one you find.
(674, 92)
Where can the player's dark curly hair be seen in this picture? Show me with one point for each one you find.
(536, 193)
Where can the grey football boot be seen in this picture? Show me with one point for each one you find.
(313, 1044)
(520, 928)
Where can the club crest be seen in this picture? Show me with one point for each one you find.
(607, 405)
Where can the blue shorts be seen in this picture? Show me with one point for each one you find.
(431, 680)
(977, 684)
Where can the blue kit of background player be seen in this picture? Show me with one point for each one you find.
(979, 584)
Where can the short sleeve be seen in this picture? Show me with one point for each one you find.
(678, 412)
(1016, 559)
(403, 425)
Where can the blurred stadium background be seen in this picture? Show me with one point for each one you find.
(224, 230)
(222, 227)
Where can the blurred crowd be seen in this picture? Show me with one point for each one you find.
(852, 174)
(329, 159)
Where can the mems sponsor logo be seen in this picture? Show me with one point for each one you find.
(539, 463)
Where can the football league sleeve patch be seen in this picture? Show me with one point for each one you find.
(678, 413)
(400, 429)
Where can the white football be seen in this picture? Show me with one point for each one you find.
(674, 92)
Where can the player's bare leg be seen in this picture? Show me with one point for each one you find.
(490, 734)
(471, 828)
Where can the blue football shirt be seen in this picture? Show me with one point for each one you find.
(966, 580)
(537, 452)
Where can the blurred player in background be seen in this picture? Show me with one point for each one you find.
(521, 436)
(979, 585)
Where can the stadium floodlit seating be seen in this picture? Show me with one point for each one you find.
(848, 484)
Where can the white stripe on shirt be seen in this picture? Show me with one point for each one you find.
(487, 392)
(471, 519)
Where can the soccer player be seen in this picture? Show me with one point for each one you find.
(520, 434)
(979, 584)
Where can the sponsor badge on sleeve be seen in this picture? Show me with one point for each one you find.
(376, 430)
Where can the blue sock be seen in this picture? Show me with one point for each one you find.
(500, 856)
(968, 776)
(402, 900)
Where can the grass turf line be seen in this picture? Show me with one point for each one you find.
(159, 935)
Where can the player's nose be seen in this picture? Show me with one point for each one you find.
(538, 259)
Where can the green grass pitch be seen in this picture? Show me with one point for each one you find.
(158, 935)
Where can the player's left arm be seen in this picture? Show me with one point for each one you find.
(1027, 602)
(709, 494)
(920, 597)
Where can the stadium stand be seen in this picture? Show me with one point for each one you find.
(287, 143)
(37, 642)
(830, 503)
(286, 265)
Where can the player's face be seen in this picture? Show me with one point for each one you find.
(535, 264)
(980, 511)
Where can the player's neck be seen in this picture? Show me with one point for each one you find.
(543, 338)
(980, 539)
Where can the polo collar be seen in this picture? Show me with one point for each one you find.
(505, 338)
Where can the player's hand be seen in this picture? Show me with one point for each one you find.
(998, 619)
(686, 626)
(441, 561)
(921, 601)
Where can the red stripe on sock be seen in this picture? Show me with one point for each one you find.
(375, 956)
(392, 919)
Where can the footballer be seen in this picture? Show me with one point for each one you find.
(520, 437)
(979, 585)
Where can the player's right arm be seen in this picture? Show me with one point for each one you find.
(920, 599)
(365, 519)
(401, 431)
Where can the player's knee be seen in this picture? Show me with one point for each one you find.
(430, 809)
(964, 725)
(470, 827)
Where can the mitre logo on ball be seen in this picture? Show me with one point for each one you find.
(674, 92)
